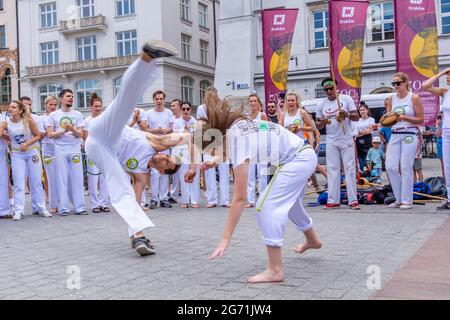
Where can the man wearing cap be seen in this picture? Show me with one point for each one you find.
(340, 145)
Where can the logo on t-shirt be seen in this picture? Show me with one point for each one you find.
(263, 126)
(297, 122)
(91, 163)
(19, 139)
(47, 160)
(400, 110)
(408, 139)
(35, 159)
(65, 121)
(76, 159)
(132, 164)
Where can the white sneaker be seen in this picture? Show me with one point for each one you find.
(394, 205)
(17, 217)
(406, 207)
(45, 214)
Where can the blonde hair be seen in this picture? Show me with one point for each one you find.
(404, 77)
(50, 98)
(25, 115)
(297, 98)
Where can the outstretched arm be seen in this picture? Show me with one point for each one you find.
(437, 91)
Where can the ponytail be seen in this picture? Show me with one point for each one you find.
(95, 98)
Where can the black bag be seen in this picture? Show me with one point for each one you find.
(437, 186)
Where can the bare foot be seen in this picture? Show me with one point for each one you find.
(267, 276)
(195, 206)
(184, 206)
(249, 205)
(303, 247)
(210, 205)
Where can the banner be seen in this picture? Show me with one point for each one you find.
(347, 29)
(416, 42)
(277, 32)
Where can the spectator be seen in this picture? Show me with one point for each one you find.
(376, 156)
(364, 129)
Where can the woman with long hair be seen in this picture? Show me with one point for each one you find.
(98, 191)
(25, 157)
(4, 177)
(404, 143)
(364, 129)
(245, 141)
(48, 152)
(445, 126)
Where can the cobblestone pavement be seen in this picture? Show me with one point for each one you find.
(40, 258)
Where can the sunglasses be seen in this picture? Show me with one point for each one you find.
(328, 89)
(397, 83)
(271, 107)
(185, 109)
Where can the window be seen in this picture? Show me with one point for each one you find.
(1, 5)
(86, 8)
(204, 52)
(2, 37)
(85, 89)
(204, 84)
(125, 7)
(87, 48)
(51, 89)
(203, 15)
(5, 87)
(445, 16)
(126, 43)
(117, 86)
(49, 53)
(184, 9)
(187, 89)
(320, 27)
(185, 47)
(382, 21)
(48, 14)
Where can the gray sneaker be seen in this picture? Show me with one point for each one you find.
(159, 49)
(444, 207)
(143, 246)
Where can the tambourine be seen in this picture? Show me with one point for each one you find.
(389, 119)
(293, 128)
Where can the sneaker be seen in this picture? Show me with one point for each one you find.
(153, 204)
(331, 206)
(354, 206)
(405, 207)
(64, 214)
(159, 49)
(45, 214)
(172, 200)
(82, 213)
(165, 204)
(17, 217)
(143, 246)
(394, 205)
(445, 206)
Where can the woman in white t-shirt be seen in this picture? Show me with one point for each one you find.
(4, 181)
(364, 128)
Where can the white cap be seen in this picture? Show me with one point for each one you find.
(376, 139)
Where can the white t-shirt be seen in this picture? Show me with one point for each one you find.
(46, 140)
(405, 107)
(261, 142)
(3, 144)
(201, 112)
(39, 122)
(329, 110)
(134, 151)
(18, 134)
(86, 122)
(179, 126)
(445, 108)
(58, 119)
(160, 119)
(364, 124)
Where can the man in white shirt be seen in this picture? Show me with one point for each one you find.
(160, 122)
(175, 106)
(65, 127)
(340, 145)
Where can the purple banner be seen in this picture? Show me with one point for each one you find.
(277, 32)
(416, 41)
(347, 28)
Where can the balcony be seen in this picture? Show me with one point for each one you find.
(103, 64)
(67, 27)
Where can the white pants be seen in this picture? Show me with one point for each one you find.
(4, 196)
(336, 153)
(104, 135)
(190, 192)
(98, 191)
(255, 170)
(400, 154)
(446, 158)
(21, 163)
(48, 151)
(160, 185)
(283, 197)
(224, 184)
(69, 168)
(175, 190)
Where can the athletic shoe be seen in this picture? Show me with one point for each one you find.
(82, 213)
(153, 204)
(406, 207)
(17, 217)
(394, 205)
(331, 206)
(143, 246)
(159, 49)
(165, 204)
(172, 200)
(354, 206)
(445, 206)
(64, 214)
(45, 214)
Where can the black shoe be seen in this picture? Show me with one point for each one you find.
(444, 207)
(159, 49)
(153, 204)
(165, 204)
(172, 200)
(82, 213)
(143, 246)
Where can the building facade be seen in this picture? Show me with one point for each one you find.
(86, 45)
(9, 86)
(309, 61)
